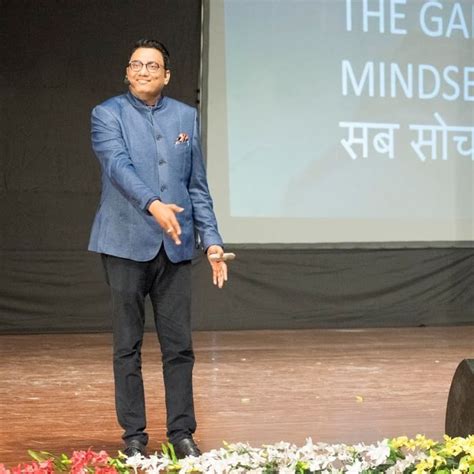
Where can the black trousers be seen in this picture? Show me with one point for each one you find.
(169, 287)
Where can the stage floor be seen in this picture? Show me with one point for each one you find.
(56, 391)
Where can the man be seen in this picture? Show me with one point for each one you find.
(154, 196)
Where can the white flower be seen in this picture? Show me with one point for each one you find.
(402, 464)
(286, 470)
(319, 462)
(135, 461)
(356, 468)
(153, 464)
(380, 453)
(241, 458)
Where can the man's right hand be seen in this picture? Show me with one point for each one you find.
(165, 215)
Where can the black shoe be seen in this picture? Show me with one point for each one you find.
(134, 447)
(186, 447)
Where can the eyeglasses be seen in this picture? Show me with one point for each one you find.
(138, 65)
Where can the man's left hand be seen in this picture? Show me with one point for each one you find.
(219, 268)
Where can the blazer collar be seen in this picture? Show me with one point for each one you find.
(139, 104)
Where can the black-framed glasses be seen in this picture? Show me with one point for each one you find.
(138, 65)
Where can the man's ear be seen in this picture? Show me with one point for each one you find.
(167, 76)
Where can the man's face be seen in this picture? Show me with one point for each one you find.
(144, 84)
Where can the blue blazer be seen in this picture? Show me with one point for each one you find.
(141, 160)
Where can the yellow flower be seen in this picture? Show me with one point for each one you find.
(452, 447)
(423, 442)
(437, 459)
(455, 446)
(420, 443)
(399, 442)
(424, 466)
(432, 461)
(465, 463)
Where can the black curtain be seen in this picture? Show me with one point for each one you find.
(60, 59)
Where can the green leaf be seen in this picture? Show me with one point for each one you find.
(168, 451)
(173, 454)
(40, 456)
(118, 465)
(121, 455)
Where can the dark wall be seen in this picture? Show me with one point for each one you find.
(59, 59)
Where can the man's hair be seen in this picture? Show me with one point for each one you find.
(151, 43)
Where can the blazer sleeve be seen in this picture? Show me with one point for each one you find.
(109, 147)
(203, 212)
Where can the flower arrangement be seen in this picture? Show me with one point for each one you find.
(81, 462)
(395, 456)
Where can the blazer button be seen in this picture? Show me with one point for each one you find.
(162, 162)
(159, 137)
(163, 187)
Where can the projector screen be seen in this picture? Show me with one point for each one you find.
(341, 120)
